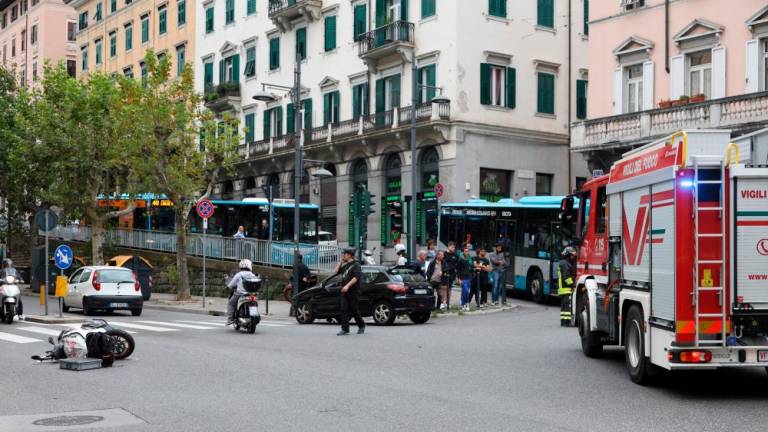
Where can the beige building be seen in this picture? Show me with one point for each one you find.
(114, 35)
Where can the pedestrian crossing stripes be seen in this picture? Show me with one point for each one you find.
(24, 334)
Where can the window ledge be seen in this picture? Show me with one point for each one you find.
(428, 19)
(545, 115)
(333, 51)
(545, 29)
(584, 37)
(274, 71)
(497, 19)
(498, 108)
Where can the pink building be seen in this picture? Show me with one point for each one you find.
(35, 31)
(659, 66)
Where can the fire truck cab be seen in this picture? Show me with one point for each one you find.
(673, 257)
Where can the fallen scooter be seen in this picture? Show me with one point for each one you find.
(117, 345)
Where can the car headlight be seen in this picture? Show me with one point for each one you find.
(10, 279)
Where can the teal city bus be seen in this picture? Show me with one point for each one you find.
(529, 228)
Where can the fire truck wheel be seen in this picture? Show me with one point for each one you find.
(590, 342)
(638, 365)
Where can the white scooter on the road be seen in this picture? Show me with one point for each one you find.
(10, 298)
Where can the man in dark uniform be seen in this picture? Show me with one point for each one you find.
(450, 270)
(351, 275)
(565, 283)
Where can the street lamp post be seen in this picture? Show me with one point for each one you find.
(295, 93)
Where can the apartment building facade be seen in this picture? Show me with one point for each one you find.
(33, 32)
(113, 36)
(663, 66)
(508, 70)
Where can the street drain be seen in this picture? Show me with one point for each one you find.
(68, 421)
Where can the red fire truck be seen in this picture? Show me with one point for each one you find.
(673, 257)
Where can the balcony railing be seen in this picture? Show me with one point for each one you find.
(397, 118)
(399, 32)
(743, 112)
(222, 97)
(282, 12)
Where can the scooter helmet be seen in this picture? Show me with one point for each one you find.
(246, 265)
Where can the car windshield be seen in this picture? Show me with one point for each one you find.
(115, 276)
(406, 275)
(325, 237)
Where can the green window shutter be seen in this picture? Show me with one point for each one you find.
(485, 83)
(112, 45)
(380, 98)
(251, 7)
(381, 12)
(511, 87)
(163, 21)
(420, 83)
(274, 53)
(327, 100)
(230, 13)
(182, 13)
(250, 62)
(209, 20)
(545, 13)
(279, 121)
(581, 99)
(144, 30)
(395, 91)
(428, 8)
(208, 76)
(366, 96)
(222, 72)
(308, 114)
(301, 43)
(290, 127)
(497, 8)
(360, 21)
(250, 125)
(330, 33)
(586, 17)
(112, 6)
(546, 93)
(431, 81)
(356, 101)
(336, 106)
(267, 124)
(404, 10)
(129, 38)
(236, 68)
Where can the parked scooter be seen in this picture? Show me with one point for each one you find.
(247, 312)
(10, 294)
(121, 346)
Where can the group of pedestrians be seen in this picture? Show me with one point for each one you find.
(477, 275)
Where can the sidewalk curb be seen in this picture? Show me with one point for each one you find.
(50, 319)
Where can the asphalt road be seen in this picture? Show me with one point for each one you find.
(509, 371)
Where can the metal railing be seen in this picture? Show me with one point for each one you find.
(261, 252)
(397, 32)
(746, 111)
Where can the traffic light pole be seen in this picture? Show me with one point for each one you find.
(297, 172)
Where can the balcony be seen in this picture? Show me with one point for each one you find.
(385, 41)
(372, 126)
(741, 114)
(282, 12)
(223, 97)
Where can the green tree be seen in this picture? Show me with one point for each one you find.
(187, 147)
(85, 131)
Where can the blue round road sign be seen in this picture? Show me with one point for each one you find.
(63, 257)
(205, 208)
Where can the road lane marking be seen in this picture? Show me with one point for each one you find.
(210, 324)
(189, 326)
(17, 339)
(144, 327)
(41, 330)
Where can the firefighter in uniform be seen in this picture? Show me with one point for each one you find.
(565, 284)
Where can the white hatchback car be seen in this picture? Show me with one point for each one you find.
(325, 238)
(105, 288)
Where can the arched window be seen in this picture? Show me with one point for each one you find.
(393, 213)
(274, 182)
(359, 174)
(430, 169)
(426, 225)
(250, 183)
(229, 187)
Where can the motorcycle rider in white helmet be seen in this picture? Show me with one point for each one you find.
(236, 284)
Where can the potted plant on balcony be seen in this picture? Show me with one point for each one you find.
(701, 97)
(665, 103)
(684, 99)
(228, 89)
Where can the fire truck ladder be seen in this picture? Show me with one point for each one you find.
(708, 163)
